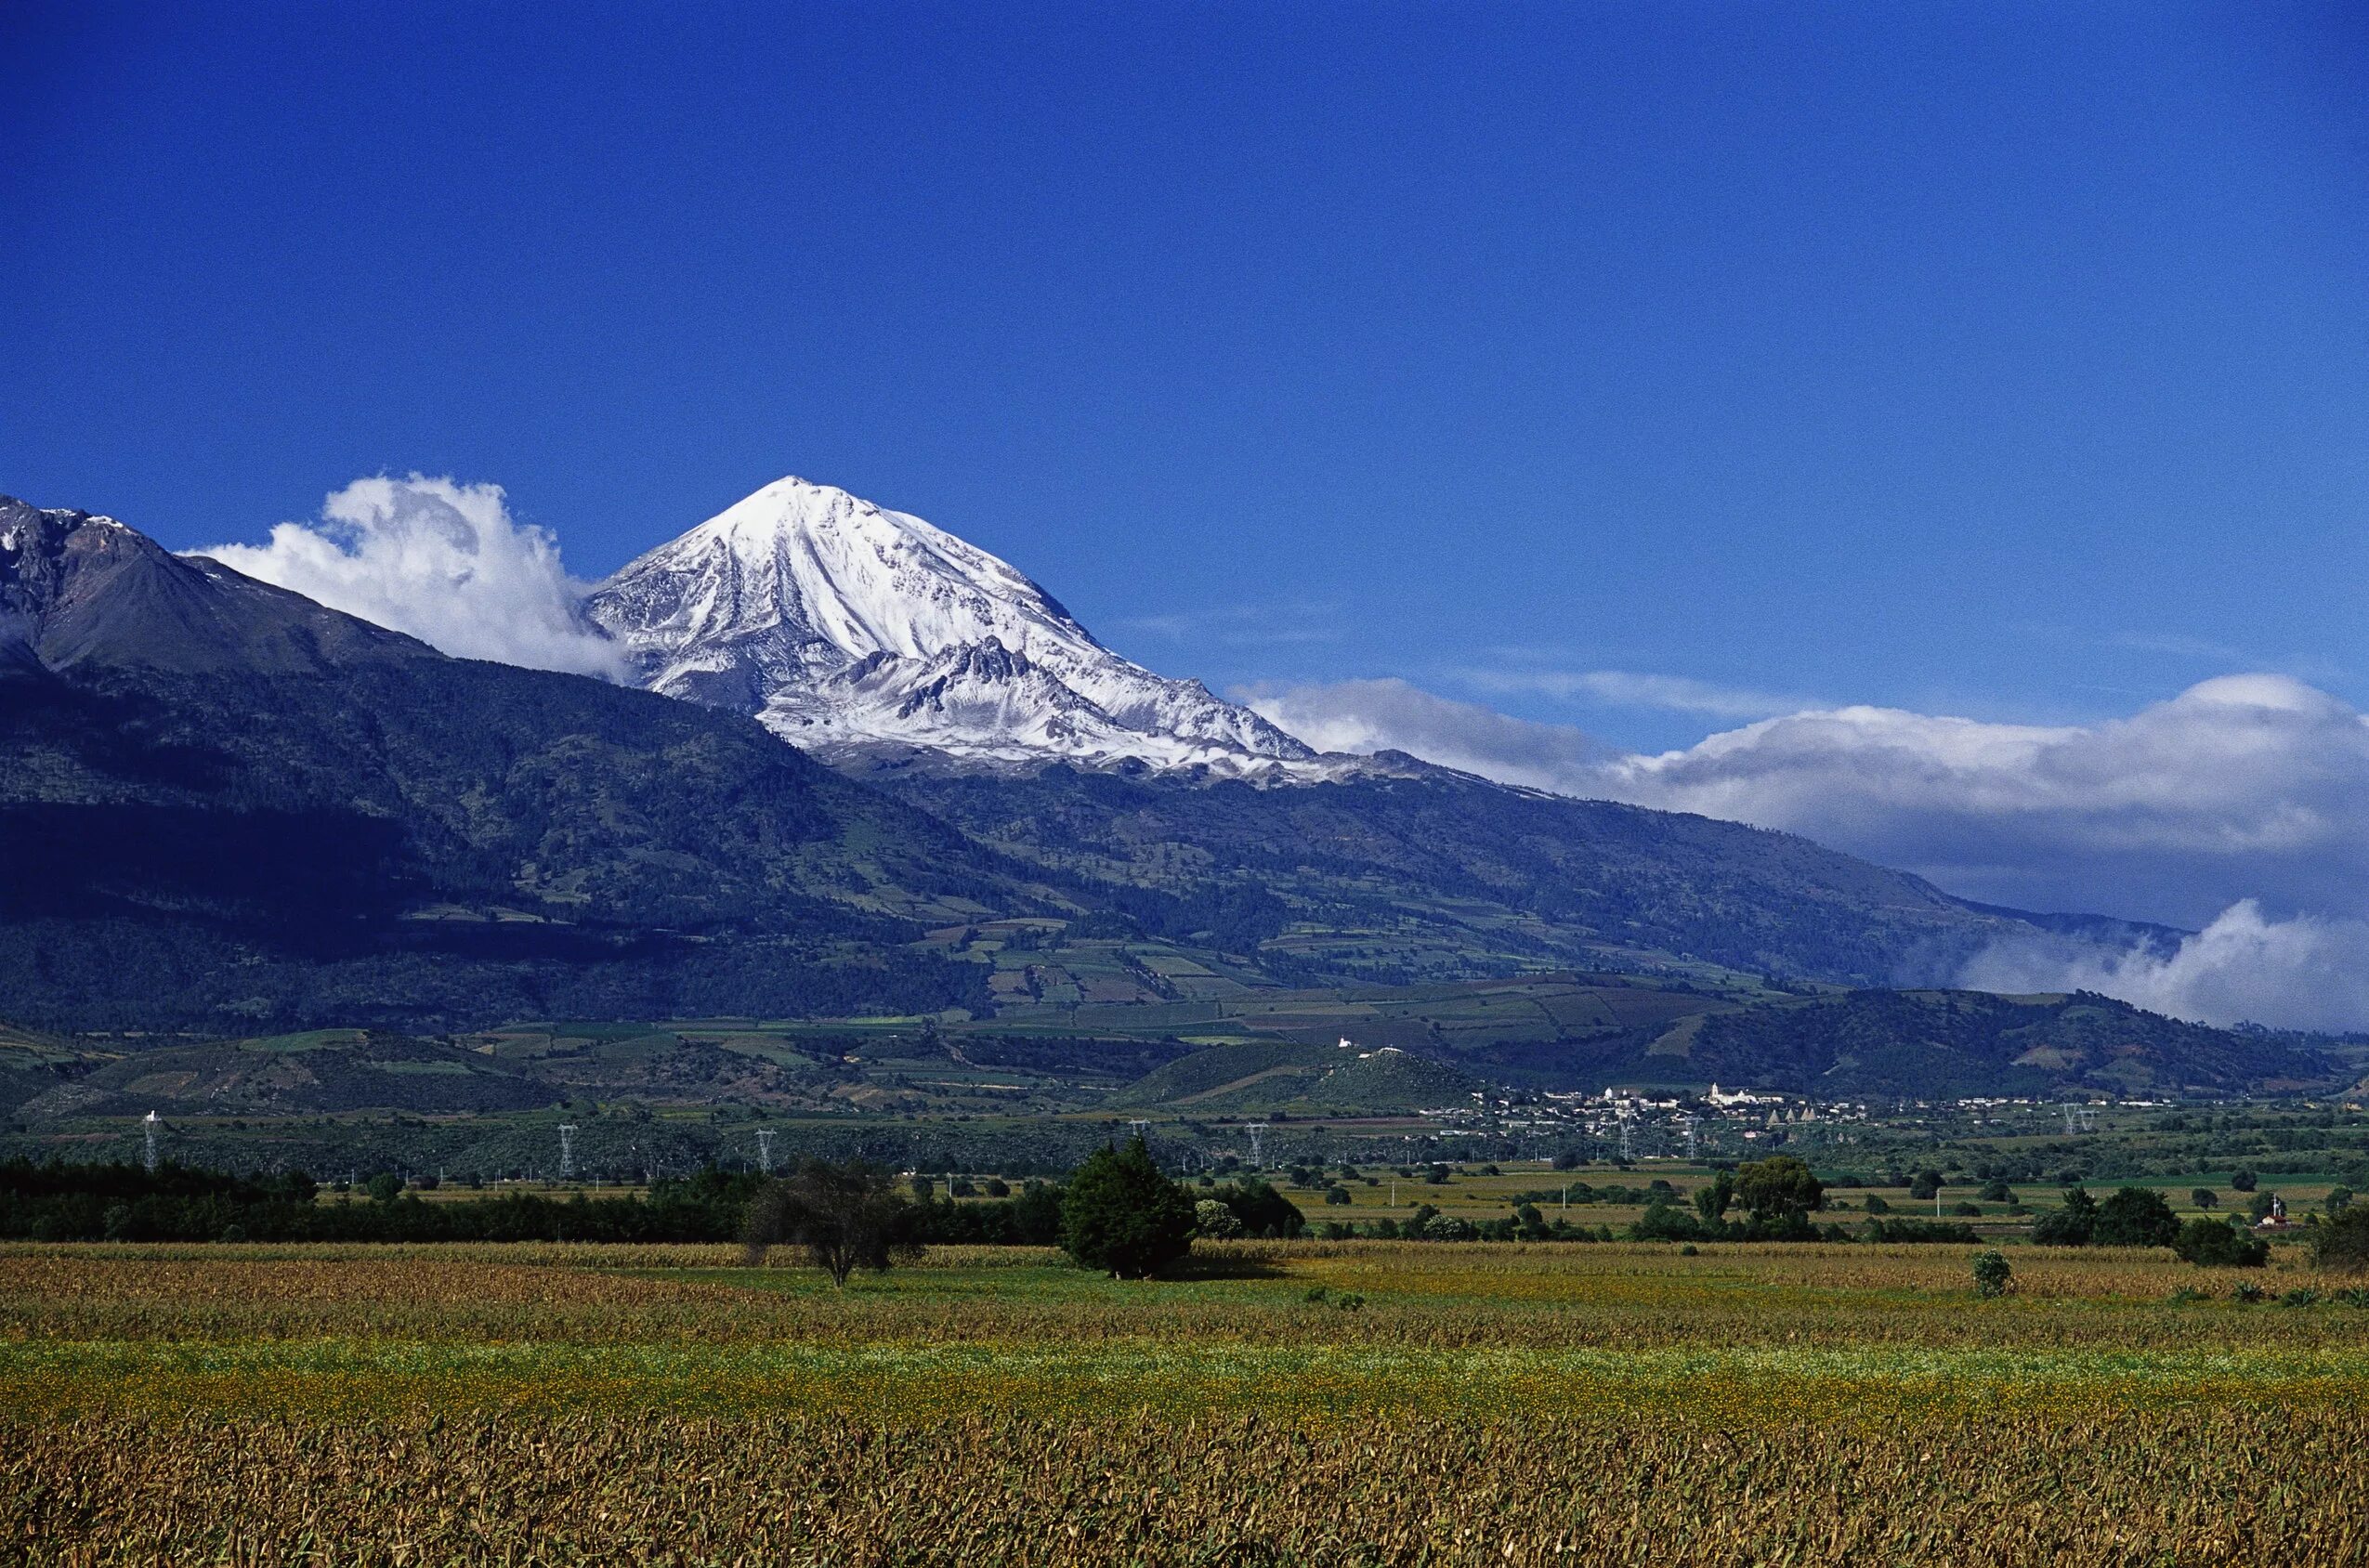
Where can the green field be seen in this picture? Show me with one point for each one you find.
(1364, 1402)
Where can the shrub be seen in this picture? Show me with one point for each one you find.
(1122, 1215)
(1994, 1275)
(2247, 1292)
(2302, 1296)
(2209, 1244)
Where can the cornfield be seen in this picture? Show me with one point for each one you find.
(1367, 1403)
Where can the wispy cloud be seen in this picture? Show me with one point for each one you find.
(1247, 625)
(443, 561)
(1390, 715)
(2177, 647)
(1626, 688)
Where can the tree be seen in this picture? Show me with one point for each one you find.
(2244, 1182)
(2209, 1244)
(1994, 1275)
(1336, 1195)
(2071, 1225)
(2342, 1245)
(1778, 1192)
(1214, 1220)
(1262, 1210)
(1122, 1215)
(1926, 1187)
(847, 1217)
(385, 1187)
(1712, 1198)
(2134, 1217)
(1996, 1190)
(2339, 1199)
(2204, 1198)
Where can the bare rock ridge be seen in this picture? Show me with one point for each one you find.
(869, 636)
(78, 589)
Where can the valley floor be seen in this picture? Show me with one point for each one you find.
(1351, 1403)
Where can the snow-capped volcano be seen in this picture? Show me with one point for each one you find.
(858, 633)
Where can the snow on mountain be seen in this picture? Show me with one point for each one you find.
(863, 634)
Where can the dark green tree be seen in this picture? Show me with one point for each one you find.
(2342, 1245)
(1262, 1210)
(1779, 1192)
(2134, 1217)
(847, 1217)
(1712, 1198)
(2204, 1198)
(1122, 1215)
(2209, 1244)
(2244, 1182)
(2074, 1224)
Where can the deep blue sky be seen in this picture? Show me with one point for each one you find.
(1985, 358)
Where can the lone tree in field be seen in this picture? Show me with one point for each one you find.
(846, 1217)
(1122, 1215)
(1779, 1193)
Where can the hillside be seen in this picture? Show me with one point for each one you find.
(1441, 876)
(325, 1070)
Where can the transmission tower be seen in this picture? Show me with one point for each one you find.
(1140, 1128)
(1628, 1142)
(150, 1126)
(1692, 1124)
(566, 1151)
(1257, 1131)
(765, 1150)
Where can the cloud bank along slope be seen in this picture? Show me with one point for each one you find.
(443, 561)
(2241, 805)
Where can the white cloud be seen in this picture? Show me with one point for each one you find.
(1385, 715)
(1626, 688)
(2306, 973)
(2244, 787)
(442, 561)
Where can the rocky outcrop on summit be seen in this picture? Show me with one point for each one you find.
(863, 634)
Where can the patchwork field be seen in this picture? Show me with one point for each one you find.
(1320, 1403)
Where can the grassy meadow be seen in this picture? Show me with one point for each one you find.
(1355, 1403)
